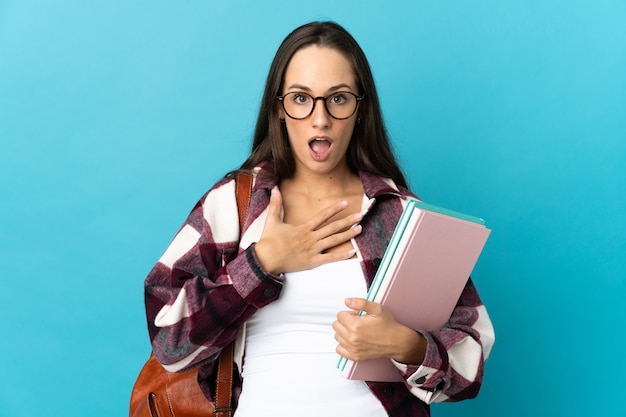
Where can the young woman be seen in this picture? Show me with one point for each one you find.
(326, 197)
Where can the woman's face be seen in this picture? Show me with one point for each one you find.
(319, 142)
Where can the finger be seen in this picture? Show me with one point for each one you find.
(330, 257)
(356, 304)
(342, 351)
(347, 345)
(361, 304)
(341, 342)
(325, 214)
(338, 328)
(341, 225)
(338, 238)
(340, 334)
(345, 324)
(276, 205)
(344, 317)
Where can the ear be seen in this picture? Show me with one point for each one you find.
(281, 113)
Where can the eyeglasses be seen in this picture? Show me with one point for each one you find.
(340, 105)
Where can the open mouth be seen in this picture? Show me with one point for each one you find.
(320, 146)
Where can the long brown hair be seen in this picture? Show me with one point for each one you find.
(369, 148)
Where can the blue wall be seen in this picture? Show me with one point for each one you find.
(115, 116)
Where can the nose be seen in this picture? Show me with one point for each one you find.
(320, 116)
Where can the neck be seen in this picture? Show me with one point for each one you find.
(322, 185)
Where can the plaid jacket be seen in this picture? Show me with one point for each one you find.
(208, 283)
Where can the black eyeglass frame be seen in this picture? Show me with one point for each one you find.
(325, 100)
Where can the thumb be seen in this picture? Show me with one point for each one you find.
(275, 210)
(361, 304)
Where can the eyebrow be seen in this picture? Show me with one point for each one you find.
(331, 89)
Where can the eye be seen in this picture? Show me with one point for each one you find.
(339, 98)
(299, 98)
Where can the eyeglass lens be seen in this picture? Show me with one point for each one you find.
(340, 105)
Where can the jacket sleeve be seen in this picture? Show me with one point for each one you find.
(455, 358)
(204, 287)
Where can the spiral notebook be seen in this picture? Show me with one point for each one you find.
(430, 257)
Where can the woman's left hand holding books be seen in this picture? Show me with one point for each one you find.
(375, 333)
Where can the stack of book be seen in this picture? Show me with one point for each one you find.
(429, 259)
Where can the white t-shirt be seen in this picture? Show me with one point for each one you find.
(290, 362)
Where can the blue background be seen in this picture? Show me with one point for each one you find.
(115, 116)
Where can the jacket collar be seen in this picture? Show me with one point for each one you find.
(375, 186)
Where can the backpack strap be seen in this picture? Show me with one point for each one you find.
(225, 367)
(243, 187)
